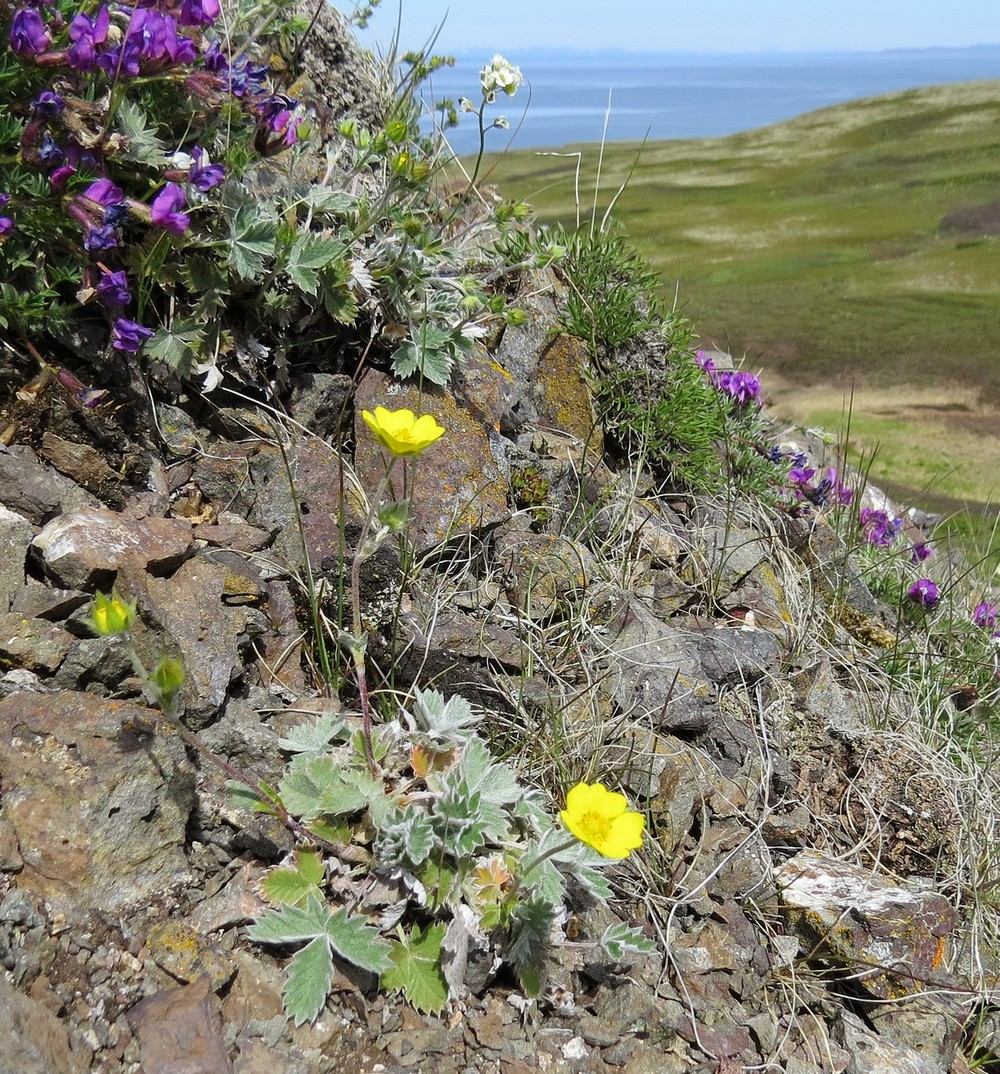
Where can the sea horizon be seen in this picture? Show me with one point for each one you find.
(665, 96)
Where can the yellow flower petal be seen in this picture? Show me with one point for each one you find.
(401, 431)
(601, 819)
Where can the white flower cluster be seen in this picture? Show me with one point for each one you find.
(499, 75)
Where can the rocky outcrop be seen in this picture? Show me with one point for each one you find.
(805, 883)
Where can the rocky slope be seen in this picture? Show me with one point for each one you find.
(810, 877)
(716, 662)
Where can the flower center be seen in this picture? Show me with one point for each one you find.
(597, 826)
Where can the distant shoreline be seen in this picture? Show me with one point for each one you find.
(671, 96)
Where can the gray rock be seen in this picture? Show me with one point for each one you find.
(300, 489)
(85, 549)
(729, 554)
(16, 534)
(44, 602)
(90, 660)
(198, 614)
(737, 656)
(180, 1030)
(861, 920)
(544, 576)
(655, 668)
(818, 693)
(36, 491)
(35, 644)
(322, 402)
(341, 78)
(871, 1054)
(98, 800)
(34, 1040)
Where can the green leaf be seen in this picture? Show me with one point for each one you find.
(496, 782)
(177, 347)
(204, 276)
(252, 239)
(418, 838)
(532, 922)
(309, 254)
(291, 924)
(324, 200)
(143, 144)
(320, 784)
(309, 975)
(292, 885)
(620, 940)
(313, 736)
(248, 798)
(340, 303)
(358, 942)
(416, 969)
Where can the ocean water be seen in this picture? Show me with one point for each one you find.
(685, 96)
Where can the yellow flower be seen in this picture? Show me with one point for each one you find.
(601, 819)
(111, 615)
(401, 431)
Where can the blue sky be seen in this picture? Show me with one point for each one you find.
(687, 25)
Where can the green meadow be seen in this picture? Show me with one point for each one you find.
(851, 254)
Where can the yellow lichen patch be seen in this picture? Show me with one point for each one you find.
(864, 628)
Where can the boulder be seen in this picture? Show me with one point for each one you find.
(98, 799)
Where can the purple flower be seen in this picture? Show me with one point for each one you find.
(742, 387)
(48, 103)
(923, 592)
(58, 178)
(128, 336)
(276, 113)
(113, 290)
(878, 527)
(920, 551)
(87, 34)
(151, 40)
(28, 33)
(165, 210)
(703, 361)
(104, 192)
(243, 78)
(100, 238)
(985, 614)
(801, 475)
(6, 223)
(199, 12)
(203, 175)
(49, 152)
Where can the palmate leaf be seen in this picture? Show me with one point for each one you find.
(292, 885)
(496, 782)
(308, 255)
(416, 969)
(311, 970)
(313, 736)
(252, 240)
(530, 934)
(143, 144)
(308, 984)
(177, 347)
(357, 942)
(319, 784)
(619, 940)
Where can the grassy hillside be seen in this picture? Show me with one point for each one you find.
(853, 247)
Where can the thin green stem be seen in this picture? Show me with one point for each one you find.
(535, 862)
(359, 643)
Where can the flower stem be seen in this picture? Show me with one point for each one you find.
(359, 642)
